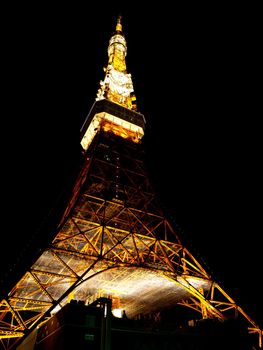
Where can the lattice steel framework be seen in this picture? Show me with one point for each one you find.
(114, 240)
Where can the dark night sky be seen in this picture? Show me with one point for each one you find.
(195, 73)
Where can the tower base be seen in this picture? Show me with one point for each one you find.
(93, 327)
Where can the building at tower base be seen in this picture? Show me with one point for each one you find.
(94, 327)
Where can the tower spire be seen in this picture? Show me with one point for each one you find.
(117, 85)
(119, 25)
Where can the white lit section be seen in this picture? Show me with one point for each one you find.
(91, 132)
(105, 310)
(116, 82)
(55, 310)
(119, 41)
(120, 82)
(117, 313)
(124, 123)
(95, 125)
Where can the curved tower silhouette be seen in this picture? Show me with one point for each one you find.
(114, 241)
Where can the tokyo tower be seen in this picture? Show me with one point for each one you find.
(114, 248)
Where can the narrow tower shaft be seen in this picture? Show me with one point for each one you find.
(117, 85)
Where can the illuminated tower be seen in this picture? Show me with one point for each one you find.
(113, 240)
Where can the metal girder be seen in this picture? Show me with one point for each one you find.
(114, 240)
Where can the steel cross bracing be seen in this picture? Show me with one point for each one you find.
(114, 241)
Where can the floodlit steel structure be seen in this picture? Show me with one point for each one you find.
(114, 239)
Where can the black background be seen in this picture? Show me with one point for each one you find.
(195, 71)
